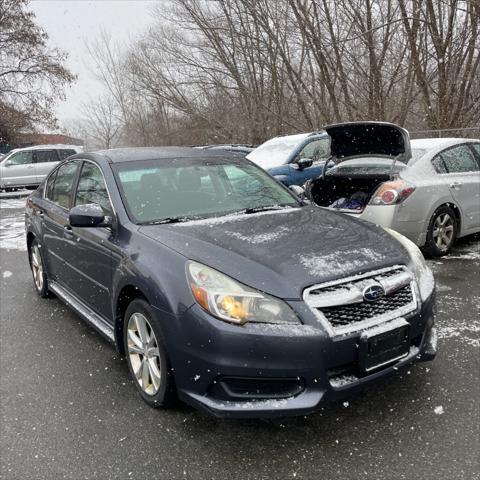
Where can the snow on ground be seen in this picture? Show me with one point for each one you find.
(12, 233)
(465, 329)
(9, 203)
(12, 224)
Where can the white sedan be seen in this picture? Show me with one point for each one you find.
(431, 196)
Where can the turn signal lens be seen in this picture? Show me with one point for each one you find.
(200, 295)
(392, 193)
(234, 302)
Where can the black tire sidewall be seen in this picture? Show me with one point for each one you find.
(430, 245)
(165, 393)
(44, 292)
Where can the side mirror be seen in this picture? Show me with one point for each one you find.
(90, 215)
(304, 163)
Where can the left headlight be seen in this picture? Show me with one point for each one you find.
(229, 300)
(417, 266)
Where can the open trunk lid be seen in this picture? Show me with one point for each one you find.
(367, 139)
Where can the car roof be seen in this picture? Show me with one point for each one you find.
(119, 155)
(43, 147)
(431, 143)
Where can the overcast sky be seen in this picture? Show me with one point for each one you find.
(70, 22)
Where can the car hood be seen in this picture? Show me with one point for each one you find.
(358, 139)
(282, 252)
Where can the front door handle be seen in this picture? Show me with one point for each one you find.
(456, 185)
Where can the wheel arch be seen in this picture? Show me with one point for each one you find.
(30, 238)
(456, 211)
(440, 204)
(124, 298)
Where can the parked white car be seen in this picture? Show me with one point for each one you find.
(27, 167)
(431, 195)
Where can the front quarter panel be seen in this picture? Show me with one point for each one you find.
(154, 269)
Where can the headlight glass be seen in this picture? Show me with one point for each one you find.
(417, 266)
(234, 302)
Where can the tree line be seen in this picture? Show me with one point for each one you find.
(218, 71)
(247, 70)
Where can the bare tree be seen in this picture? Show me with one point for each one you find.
(246, 70)
(32, 75)
(101, 122)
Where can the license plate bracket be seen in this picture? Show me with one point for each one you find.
(383, 345)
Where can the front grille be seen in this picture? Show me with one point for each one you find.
(342, 307)
(347, 314)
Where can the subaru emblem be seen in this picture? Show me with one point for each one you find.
(373, 293)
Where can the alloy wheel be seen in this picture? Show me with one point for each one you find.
(37, 267)
(143, 353)
(443, 231)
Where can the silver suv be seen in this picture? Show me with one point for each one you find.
(27, 167)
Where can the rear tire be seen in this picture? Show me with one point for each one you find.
(37, 265)
(146, 355)
(442, 232)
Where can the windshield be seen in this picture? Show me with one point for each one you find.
(275, 152)
(183, 190)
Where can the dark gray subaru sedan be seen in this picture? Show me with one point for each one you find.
(221, 287)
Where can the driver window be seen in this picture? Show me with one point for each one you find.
(20, 158)
(316, 150)
(92, 189)
(60, 190)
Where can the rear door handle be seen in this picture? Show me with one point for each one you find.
(456, 185)
(41, 214)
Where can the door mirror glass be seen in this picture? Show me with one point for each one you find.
(304, 163)
(89, 215)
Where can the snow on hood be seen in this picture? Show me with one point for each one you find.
(359, 139)
(283, 252)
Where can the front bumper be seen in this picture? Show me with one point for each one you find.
(205, 353)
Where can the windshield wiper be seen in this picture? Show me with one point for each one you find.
(169, 220)
(247, 211)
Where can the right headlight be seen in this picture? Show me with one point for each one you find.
(417, 265)
(229, 300)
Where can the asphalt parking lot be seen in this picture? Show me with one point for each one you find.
(69, 409)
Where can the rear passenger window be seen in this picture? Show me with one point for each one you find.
(459, 159)
(65, 153)
(61, 189)
(45, 156)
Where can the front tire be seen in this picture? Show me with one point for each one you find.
(146, 355)
(37, 266)
(442, 232)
